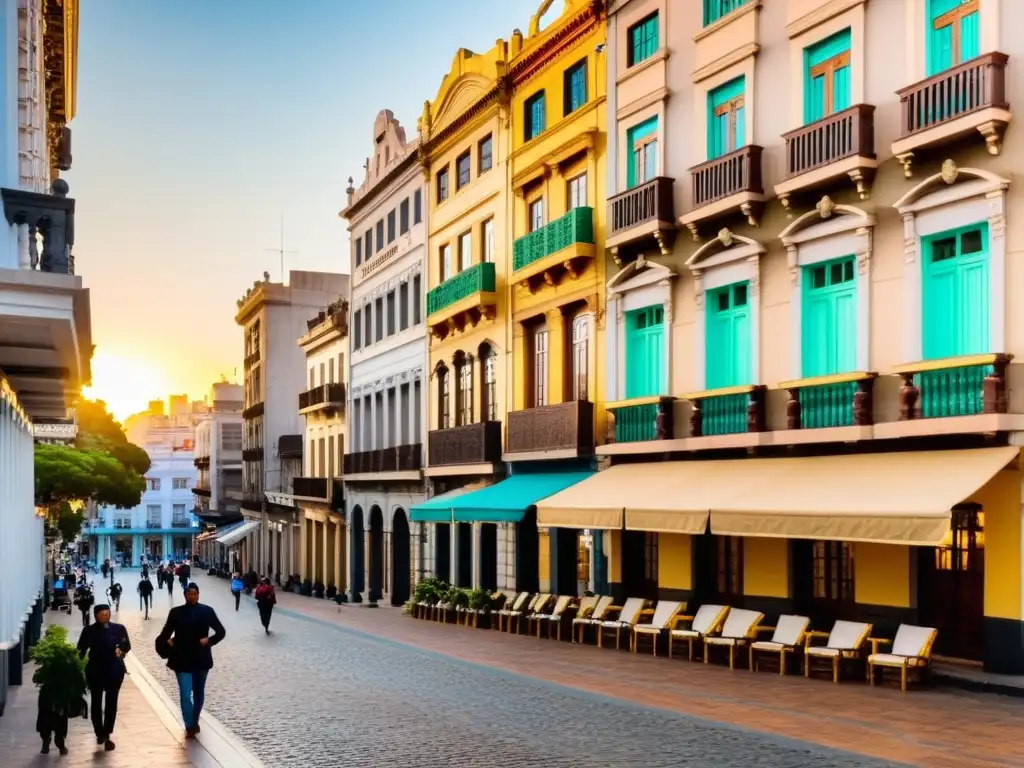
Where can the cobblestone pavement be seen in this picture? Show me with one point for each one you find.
(316, 694)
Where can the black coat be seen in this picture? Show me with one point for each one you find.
(189, 624)
(103, 666)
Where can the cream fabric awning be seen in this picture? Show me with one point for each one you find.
(893, 498)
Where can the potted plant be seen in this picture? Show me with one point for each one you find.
(331, 591)
(307, 588)
(318, 590)
(428, 592)
(479, 605)
(60, 675)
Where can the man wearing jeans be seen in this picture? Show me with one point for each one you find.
(185, 641)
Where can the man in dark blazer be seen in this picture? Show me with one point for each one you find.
(185, 641)
(106, 644)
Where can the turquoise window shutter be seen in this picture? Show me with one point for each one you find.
(834, 80)
(727, 337)
(719, 126)
(633, 135)
(940, 50)
(829, 318)
(841, 89)
(939, 315)
(955, 301)
(969, 43)
(740, 138)
(845, 356)
(815, 89)
(644, 360)
(972, 309)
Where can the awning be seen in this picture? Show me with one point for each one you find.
(238, 533)
(439, 508)
(893, 498)
(509, 500)
(644, 497)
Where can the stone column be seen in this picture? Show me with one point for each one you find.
(303, 534)
(339, 569)
(327, 572)
(475, 569)
(556, 356)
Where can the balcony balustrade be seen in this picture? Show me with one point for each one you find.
(404, 458)
(727, 411)
(562, 427)
(323, 396)
(726, 185)
(640, 420)
(477, 279)
(845, 400)
(965, 386)
(49, 219)
(639, 214)
(478, 443)
(575, 227)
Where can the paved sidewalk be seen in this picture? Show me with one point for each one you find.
(937, 727)
(147, 732)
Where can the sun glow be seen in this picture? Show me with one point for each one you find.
(126, 384)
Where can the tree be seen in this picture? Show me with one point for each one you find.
(98, 430)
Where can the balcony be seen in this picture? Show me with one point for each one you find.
(640, 420)
(725, 186)
(181, 522)
(642, 217)
(953, 104)
(51, 219)
(311, 487)
(253, 454)
(204, 492)
(463, 299)
(470, 444)
(253, 411)
(831, 402)
(324, 397)
(201, 462)
(404, 458)
(557, 249)
(289, 446)
(564, 430)
(836, 147)
(154, 524)
(728, 411)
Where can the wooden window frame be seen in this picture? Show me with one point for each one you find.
(731, 108)
(827, 69)
(466, 159)
(952, 19)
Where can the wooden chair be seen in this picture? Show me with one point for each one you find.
(706, 621)
(911, 650)
(788, 637)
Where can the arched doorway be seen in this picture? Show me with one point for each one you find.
(401, 558)
(376, 553)
(357, 563)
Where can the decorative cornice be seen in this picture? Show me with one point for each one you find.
(534, 60)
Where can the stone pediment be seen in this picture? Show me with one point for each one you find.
(462, 95)
(638, 274)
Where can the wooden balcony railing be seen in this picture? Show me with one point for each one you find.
(738, 171)
(577, 226)
(640, 420)
(326, 394)
(648, 202)
(404, 458)
(479, 277)
(470, 444)
(964, 386)
(727, 411)
(830, 401)
(310, 487)
(850, 133)
(955, 92)
(562, 427)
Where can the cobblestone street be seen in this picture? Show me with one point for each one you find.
(318, 695)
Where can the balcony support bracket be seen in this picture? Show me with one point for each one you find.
(862, 180)
(906, 158)
(993, 132)
(752, 209)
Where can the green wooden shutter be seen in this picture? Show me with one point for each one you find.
(633, 135)
(719, 127)
(969, 37)
(727, 337)
(645, 358)
(829, 318)
(955, 300)
(814, 87)
(841, 89)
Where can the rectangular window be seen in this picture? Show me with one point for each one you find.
(356, 337)
(489, 411)
(462, 170)
(464, 414)
(486, 154)
(367, 326)
(832, 568)
(645, 351)
(368, 249)
(378, 319)
(330, 371)
(154, 483)
(391, 227)
(727, 356)
(465, 250)
(403, 217)
(535, 213)
(417, 301)
(390, 311)
(442, 185)
(955, 293)
(417, 413)
(359, 252)
(575, 87)
(829, 317)
(380, 234)
(827, 77)
(952, 35)
(417, 207)
(729, 568)
(576, 192)
(581, 357)
(642, 142)
(403, 306)
(540, 366)
(533, 116)
(725, 118)
(487, 238)
(643, 40)
(179, 483)
(716, 9)
(446, 262)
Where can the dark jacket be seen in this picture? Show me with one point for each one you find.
(188, 624)
(102, 666)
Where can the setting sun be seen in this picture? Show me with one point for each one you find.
(125, 384)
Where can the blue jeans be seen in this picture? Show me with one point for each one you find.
(191, 690)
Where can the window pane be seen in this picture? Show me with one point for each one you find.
(465, 250)
(488, 241)
(944, 249)
(970, 242)
(462, 171)
(486, 155)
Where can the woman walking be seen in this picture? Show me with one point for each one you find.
(236, 587)
(265, 601)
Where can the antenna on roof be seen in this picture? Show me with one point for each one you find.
(280, 251)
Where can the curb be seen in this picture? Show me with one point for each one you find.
(214, 747)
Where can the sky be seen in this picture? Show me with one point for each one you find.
(200, 123)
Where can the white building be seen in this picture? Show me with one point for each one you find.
(162, 525)
(387, 415)
(45, 329)
(218, 462)
(273, 316)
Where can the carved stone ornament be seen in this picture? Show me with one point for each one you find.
(725, 237)
(949, 171)
(825, 207)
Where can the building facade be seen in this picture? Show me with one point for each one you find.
(383, 464)
(218, 461)
(319, 492)
(45, 328)
(272, 316)
(812, 391)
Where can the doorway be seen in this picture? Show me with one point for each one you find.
(376, 553)
(358, 563)
(443, 551)
(488, 556)
(951, 586)
(640, 564)
(401, 558)
(464, 559)
(823, 586)
(527, 553)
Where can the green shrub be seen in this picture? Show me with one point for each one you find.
(430, 590)
(479, 599)
(60, 671)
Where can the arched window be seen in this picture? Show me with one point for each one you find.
(443, 386)
(488, 392)
(464, 403)
(580, 357)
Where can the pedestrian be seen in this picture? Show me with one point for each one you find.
(236, 587)
(106, 644)
(265, 601)
(145, 569)
(84, 599)
(145, 589)
(185, 641)
(169, 580)
(184, 575)
(114, 593)
(105, 568)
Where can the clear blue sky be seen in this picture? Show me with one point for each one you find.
(201, 121)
